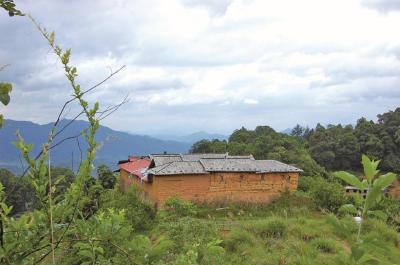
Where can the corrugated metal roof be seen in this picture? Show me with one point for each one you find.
(136, 166)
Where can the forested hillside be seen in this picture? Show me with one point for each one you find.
(320, 149)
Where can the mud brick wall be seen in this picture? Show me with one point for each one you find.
(239, 187)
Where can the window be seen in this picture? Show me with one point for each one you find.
(221, 178)
(262, 177)
(241, 178)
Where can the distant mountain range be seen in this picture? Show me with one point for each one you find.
(115, 145)
(194, 137)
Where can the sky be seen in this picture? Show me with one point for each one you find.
(204, 65)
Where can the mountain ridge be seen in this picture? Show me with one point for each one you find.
(114, 145)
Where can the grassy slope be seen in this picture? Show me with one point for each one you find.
(277, 235)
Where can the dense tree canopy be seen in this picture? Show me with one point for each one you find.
(334, 147)
(264, 143)
(106, 177)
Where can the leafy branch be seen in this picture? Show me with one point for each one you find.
(372, 182)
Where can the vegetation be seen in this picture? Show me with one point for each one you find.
(264, 143)
(67, 217)
(373, 183)
(320, 149)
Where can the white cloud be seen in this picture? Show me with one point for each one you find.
(250, 101)
(306, 61)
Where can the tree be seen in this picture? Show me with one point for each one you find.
(106, 177)
(297, 131)
(17, 192)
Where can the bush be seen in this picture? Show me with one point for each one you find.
(305, 183)
(274, 228)
(138, 212)
(292, 203)
(179, 208)
(325, 245)
(379, 230)
(347, 209)
(391, 207)
(327, 195)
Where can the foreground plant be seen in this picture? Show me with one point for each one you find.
(372, 182)
(37, 236)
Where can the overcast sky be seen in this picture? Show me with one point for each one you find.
(212, 65)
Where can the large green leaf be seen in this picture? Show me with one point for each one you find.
(370, 167)
(349, 178)
(373, 195)
(385, 180)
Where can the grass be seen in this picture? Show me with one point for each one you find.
(270, 234)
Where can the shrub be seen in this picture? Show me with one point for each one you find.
(138, 212)
(355, 199)
(347, 209)
(179, 208)
(328, 195)
(379, 230)
(292, 204)
(305, 183)
(391, 207)
(325, 245)
(274, 228)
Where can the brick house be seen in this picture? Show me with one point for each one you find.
(208, 177)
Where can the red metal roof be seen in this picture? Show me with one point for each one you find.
(136, 165)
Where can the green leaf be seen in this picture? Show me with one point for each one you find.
(372, 197)
(385, 180)
(370, 168)
(349, 178)
(5, 89)
(348, 209)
